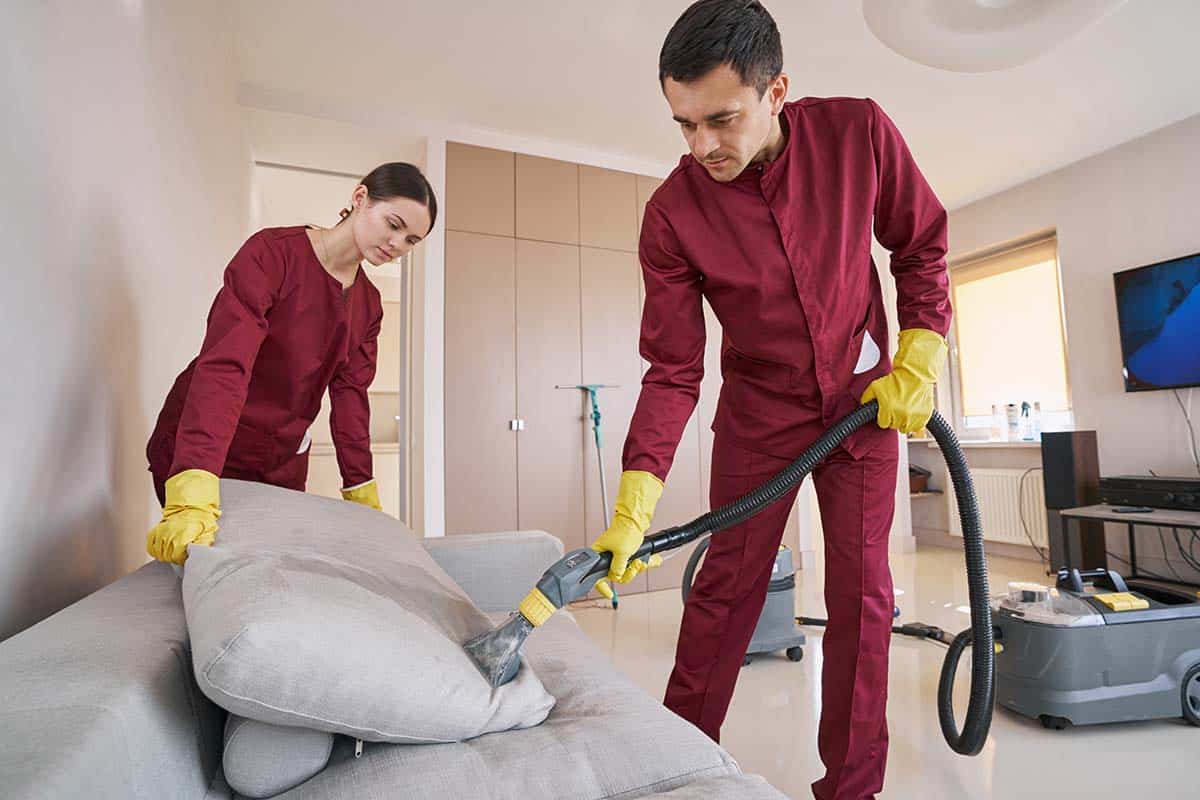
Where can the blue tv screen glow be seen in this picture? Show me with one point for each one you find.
(1158, 311)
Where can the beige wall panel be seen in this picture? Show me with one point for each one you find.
(607, 209)
(324, 478)
(681, 502)
(480, 384)
(645, 188)
(387, 367)
(480, 190)
(610, 338)
(547, 200)
(710, 391)
(550, 452)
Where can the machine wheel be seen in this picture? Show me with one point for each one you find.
(795, 653)
(746, 659)
(1054, 723)
(1191, 695)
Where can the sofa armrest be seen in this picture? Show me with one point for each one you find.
(496, 570)
(100, 699)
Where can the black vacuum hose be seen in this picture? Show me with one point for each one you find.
(980, 635)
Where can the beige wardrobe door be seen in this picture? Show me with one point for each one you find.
(480, 384)
(549, 451)
(480, 190)
(710, 391)
(683, 499)
(681, 502)
(645, 189)
(607, 209)
(547, 200)
(611, 320)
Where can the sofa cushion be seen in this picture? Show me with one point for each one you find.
(262, 760)
(605, 738)
(325, 614)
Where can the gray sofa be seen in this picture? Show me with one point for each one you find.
(100, 701)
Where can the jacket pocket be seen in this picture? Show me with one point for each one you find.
(768, 374)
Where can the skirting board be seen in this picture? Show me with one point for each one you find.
(939, 538)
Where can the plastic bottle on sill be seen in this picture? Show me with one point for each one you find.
(1025, 424)
(1012, 431)
(997, 430)
(1037, 421)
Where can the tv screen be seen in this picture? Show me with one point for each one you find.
(1158, 311)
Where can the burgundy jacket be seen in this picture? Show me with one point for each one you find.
(783, 255)
(280, 333)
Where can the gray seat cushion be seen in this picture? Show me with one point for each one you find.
(605, 738)
(262, 760)
(320, 613)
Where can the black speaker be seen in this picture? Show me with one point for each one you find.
(1071, 475)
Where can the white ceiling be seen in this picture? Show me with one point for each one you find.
(584, 73)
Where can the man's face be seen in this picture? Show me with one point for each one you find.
(725, 123)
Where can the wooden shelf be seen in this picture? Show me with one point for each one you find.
(926, 493)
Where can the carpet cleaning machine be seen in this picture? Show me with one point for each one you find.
(1097, 649)
(1093, 649)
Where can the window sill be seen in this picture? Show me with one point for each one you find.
(999, 444)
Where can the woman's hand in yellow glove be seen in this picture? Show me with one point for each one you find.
(366, 494)
(905, 395)
(189, 516)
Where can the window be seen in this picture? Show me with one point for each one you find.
(1008, 324)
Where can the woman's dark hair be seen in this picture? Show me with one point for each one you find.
(740, 33)
(398, 179)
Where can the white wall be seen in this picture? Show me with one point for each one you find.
(1132, 205)
(125, 192)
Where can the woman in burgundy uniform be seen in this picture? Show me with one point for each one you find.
(296, 316)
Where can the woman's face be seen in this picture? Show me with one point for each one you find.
(385, 230)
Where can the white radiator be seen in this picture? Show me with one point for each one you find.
(1003, 501)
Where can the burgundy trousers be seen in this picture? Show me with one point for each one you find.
(857, 499)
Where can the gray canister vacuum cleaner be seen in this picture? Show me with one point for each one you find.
(497, 652)
(776, 629)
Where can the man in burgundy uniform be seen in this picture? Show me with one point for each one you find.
(770, 218)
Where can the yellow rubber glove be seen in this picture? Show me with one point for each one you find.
(189, 516)
(636, 498)
(365, 494)
(905, 395)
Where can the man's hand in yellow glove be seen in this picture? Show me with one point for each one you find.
(636, 498)
(634, 569)
(365, 494)
(189, 516)
(905, 395)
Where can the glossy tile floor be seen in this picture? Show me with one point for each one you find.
(772, 724)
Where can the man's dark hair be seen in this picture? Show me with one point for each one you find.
(740, 33)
